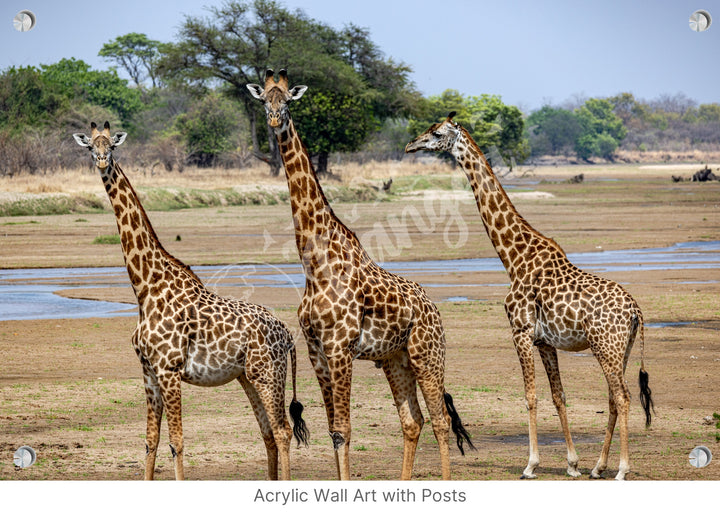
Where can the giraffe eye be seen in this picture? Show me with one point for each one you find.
(436, 134)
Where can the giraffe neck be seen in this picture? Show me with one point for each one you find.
(147, 262)
(509, 232)
(316, 225)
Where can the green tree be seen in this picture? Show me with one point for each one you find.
(602, 129)
(323, 134)
(492, 124)
(75, 80)
(704, 114)
(28, 98)
(554, 130)
(241, 40)
(136, 54)
(209, 128)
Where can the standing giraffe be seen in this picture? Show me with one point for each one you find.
(187, 333)
(551, 304)
(354, 309)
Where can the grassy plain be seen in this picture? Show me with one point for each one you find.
(72, 388)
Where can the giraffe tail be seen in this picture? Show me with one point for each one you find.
(300, 430)
(646, 400)
(457, 426)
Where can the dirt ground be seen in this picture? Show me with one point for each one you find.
(72, 388)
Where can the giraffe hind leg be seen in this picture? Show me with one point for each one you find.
(271, 446)
(601, 464)
(430, 378)
(549, 358)
(619, 400)
(404, 389)
(434, 395)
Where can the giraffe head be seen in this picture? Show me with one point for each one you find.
(439, 137)
(100, 144)
(275, 96)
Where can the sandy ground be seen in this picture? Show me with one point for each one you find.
(72, 388)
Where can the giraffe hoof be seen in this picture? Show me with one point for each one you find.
(595, 475)
(528, 476)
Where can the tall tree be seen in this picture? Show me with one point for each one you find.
(241, 40)
(136, 54)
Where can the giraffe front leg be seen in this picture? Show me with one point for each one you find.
(524, 348)
(154, 401)
(340, 366)
(172, 400)
(322, 372)
(550, 361)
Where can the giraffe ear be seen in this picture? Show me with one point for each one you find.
(451, 115)
(82, 139)
(256, 91)
(297, 91)
(118, 139)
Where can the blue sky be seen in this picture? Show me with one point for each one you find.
(528, 52)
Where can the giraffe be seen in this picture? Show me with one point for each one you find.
(552, 304)
(354, 309)
(186, 333)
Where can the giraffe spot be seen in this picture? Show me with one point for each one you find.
(506, 239)
(134, 278)
(134, 221)
(492, 205)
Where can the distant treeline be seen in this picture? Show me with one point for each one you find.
(186, 102)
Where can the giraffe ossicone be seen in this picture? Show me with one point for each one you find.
(353, 309)
(186, 333)
(552, 304)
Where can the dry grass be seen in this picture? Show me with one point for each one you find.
(86, 181)
(694, 156)
(74, 181)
